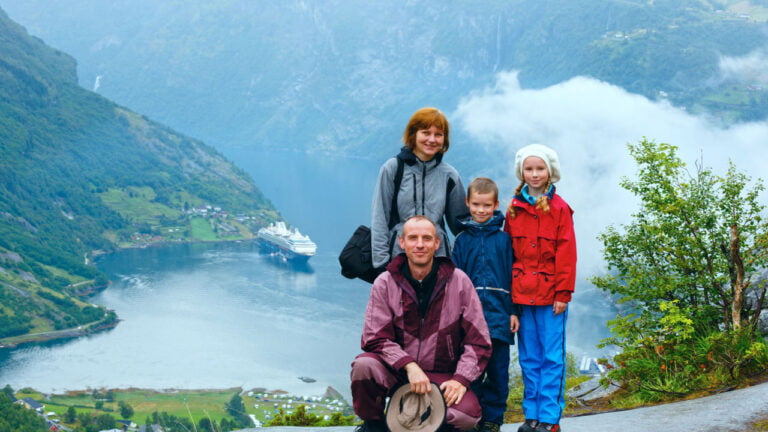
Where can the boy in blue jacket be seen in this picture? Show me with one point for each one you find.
(484, 252)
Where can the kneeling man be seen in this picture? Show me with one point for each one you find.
(424, 322)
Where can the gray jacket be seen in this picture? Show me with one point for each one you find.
(432, 189)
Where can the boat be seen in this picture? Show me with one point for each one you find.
(289, 244)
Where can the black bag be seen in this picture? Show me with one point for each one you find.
(356, 258)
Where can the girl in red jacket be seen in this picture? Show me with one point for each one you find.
(540, 225)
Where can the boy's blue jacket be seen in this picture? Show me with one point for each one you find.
(484, 252)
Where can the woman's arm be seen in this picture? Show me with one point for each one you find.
(380, 210)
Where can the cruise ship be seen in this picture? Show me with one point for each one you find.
(290, 244)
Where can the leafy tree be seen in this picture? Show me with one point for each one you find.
(699, 239)
(339, 419)
(301, 417)
(71, 415)
(14, 417)
(8, 390)
(206, 425)
(236, 409)
(684, 266)
(126, 411)
(105, 421)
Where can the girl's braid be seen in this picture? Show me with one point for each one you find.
(511, 208)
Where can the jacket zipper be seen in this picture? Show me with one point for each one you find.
(423, 189)
(421, 331)
(415, 200)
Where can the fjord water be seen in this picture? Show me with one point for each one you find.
(223, 315)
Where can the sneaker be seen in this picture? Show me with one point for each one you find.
(489, 427)
(528, 426)
(372, 426)
(546, 427)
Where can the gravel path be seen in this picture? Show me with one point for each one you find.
(725, 412)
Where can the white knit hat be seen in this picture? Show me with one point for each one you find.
(548, 155)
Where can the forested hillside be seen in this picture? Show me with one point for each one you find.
(80, 174)
(335, 76)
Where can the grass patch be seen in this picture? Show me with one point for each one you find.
(201, 230)
(136, 205)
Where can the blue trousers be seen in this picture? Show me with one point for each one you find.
(541, 351)
(492, 387)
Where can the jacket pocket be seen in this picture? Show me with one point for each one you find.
(450, 348)
(547, 249)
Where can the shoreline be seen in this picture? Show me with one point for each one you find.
(71, 333)
(87, 329)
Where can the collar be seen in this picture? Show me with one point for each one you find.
(429, 280)
(530, 199)
(407, 156)
(493, 223)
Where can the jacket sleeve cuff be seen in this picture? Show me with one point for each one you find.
(463, 381)
(402, 362)
(563, 296)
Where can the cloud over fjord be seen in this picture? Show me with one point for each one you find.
(590, 123)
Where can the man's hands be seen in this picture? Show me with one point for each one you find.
(453, 391)
(418, 379)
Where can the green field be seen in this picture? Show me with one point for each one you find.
(194, 404)
(137, 204)
(201, 230)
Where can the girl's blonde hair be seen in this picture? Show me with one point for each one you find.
(542, 202)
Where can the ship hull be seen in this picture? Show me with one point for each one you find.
(271, 248)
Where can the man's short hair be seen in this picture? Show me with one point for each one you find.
(483, 185)
(418, 218)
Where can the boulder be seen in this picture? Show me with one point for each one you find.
(591, 390)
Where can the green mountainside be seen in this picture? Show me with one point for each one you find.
(78, 175)
(340, 77)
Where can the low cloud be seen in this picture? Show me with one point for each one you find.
(590, 123)
(750, 69)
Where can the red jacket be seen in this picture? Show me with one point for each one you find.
(545, 252)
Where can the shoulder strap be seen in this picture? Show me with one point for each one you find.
(394, 215)
(448, 189)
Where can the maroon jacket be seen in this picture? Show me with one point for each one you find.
(451, 338)
(544, 269)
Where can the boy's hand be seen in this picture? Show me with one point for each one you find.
(514, 323)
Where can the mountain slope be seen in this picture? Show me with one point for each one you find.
(333, 76)
(80, 174)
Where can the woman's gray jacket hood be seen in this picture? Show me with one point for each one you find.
(432, 189)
